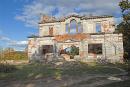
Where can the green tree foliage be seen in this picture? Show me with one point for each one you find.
(124, 26)
(74, 51)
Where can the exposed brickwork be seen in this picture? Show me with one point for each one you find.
(54, 32)
(65, 37)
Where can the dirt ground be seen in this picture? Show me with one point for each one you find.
(85, 80)
(82, 81)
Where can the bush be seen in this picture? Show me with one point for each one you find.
(74, 51)
(6, 68)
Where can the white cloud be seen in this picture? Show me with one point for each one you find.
(31, 12)
(13, 43)
(3, 38)
(18, 43)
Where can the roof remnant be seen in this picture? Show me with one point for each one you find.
(50, 19)
(77, 37)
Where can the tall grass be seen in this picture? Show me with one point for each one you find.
(6, 68)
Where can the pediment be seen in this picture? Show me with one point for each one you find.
(73, 17)
(70, 41)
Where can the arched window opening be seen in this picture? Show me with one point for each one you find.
(95, 48)
(98, 27)
(80, 28)
(73, 27)
(51, 31)
(67, 28)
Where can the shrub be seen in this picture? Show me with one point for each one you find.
(6, 68)
(74, 51)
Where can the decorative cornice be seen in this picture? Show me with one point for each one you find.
(45, 19)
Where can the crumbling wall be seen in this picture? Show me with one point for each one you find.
(33, 49)
(107, 25)
(112, 47)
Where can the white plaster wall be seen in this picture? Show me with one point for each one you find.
(57, 29)
(108, 44)
(44, 28)
(46, 42)
(89, 26)
(112, 46)
(62, 28)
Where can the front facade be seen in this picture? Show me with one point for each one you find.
(93, 36)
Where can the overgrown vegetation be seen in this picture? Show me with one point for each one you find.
(117, 84)
(11, 54)
(35, 71)
(124, 27)
(73, 51)
(6, 68)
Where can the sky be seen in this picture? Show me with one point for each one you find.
(19, 18)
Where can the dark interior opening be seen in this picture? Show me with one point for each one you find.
(73, 50)
(47, 49)
(95, 48)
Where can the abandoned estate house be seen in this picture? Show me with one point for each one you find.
(94, 38)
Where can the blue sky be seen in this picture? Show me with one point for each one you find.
(13, 33)
(19, 18)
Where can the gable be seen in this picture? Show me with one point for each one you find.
(68, 19)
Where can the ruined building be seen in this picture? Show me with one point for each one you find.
(93, 36)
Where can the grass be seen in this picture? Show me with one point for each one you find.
(6, 68)
(89, 81)
(125, 83)
(90, 70)
(118, 84)
(35, 71)
(31, 71)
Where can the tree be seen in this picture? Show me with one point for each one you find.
(124, 26)
(74, 51)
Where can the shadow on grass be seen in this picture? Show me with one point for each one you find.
(6, 68)
(117, 84)
(36, 71)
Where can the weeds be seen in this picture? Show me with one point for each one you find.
(6, 68)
